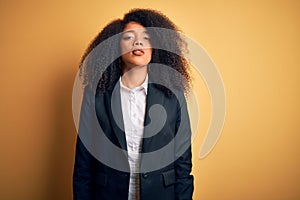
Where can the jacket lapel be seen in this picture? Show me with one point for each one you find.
(154, 96)
(113, 101)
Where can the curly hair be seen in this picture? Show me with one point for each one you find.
(100, 65)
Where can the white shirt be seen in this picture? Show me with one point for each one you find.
(133, 103)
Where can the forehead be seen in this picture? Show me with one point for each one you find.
(133, 26)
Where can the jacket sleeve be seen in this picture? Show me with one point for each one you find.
(82, 175)
(184, 185)
(83, 166)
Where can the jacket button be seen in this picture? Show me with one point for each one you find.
(145, 175)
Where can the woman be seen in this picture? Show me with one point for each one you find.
(141, 109)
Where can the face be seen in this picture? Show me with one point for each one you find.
(135, 45)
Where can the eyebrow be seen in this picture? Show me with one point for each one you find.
(132, 31)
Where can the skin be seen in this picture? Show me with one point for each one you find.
(136, 52)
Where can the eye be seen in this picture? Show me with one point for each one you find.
(128, 36)
(146, 36)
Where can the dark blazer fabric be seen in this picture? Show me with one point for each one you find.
(96, 176)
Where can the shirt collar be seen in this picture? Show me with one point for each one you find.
(143, 86)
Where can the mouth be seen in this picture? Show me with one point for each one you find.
(138, 52)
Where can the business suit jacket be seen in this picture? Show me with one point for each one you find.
(164, 176)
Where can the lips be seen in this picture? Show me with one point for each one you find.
(138, 52)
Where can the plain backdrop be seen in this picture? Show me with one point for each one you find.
(255, 45)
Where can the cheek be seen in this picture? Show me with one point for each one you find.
(125, 57)
(125, 47)
(149, 53)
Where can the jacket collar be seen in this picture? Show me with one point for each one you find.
(113, 100)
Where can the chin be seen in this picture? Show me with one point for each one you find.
(138, 63)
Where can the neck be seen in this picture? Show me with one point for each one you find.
(134, 77)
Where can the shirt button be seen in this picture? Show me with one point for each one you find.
(145, 176)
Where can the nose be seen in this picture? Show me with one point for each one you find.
(138, 43)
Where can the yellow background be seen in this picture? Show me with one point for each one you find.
(255, 45)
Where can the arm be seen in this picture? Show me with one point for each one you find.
(82, 172)
(184, 185)
(83, 167)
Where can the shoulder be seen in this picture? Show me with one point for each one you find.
(115, 86)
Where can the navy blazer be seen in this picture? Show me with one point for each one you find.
(165, 173)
